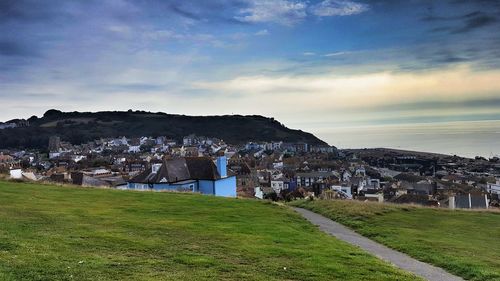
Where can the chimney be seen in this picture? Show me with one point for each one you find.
(155, 168)
(221, 166)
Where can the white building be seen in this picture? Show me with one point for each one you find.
(16, 174)
(277, 185)
(134, 148)
(493, 188)
(346, 190)
(259, 193)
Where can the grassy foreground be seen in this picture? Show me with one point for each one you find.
(63, 233)
(466, 243)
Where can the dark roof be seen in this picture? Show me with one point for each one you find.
(409, 177)
(202, 168)
(180, 169)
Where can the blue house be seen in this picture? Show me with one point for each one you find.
(189, 174)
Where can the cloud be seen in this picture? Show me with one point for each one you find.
(329, 8)
(336, 54)
(203, 38)
(309, 54)
(475, 22)
(284, 12)
(15, 49)
(262, 32)
(359, 92)
(463, 21)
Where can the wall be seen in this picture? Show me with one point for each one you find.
(16, 174)
(206, 187)
(184, 187)
(226, 187)
(137, 186)
(223, 187)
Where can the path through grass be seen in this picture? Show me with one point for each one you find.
(466, 243)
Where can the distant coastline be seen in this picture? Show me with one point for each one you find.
(462, 138)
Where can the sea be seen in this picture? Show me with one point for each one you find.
(462, 138)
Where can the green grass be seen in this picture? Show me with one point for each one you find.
(466, 243)
(65, 233)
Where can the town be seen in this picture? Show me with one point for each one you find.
(265, 170)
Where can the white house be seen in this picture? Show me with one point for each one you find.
(53, 155)
(493, 188)
(346, 176)
(360, 172)
(345, 190)
(259, 193)
(278, 165)
(277, 185)
(16, 174)
(134, 148)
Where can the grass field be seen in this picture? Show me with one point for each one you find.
(466, 243)
(67, 233)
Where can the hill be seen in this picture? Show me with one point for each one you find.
(66, 233)
(464, 243)
(81, 127)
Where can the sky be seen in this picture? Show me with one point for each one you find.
(307, 63)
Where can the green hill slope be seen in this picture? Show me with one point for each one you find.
(61, 233)
(81, 127)
(462, 242)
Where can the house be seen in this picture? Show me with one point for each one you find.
(16, 173)
(135, 166)
(493, 188)
(189, 174)
(468, 201)
(375, 197)
(290, 184)
(19, 174)
(457, 179)
(277, 185)
(134, 146)
(190, 140)
(97, 178)
(189, 151)
(323, 149)
(264, 192)
(252, 146)
(345, 191)
(307, 179)
(259, 193)
(423, 187)
(360, 172)
(6, 160)
(346, 176)
(296, 147)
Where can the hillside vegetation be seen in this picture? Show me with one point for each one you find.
(65, 233)
(465, 243)
(81, 127)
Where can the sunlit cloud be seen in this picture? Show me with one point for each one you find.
(284, 12)
(329, 8)
(365, 94)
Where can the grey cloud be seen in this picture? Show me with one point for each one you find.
(23, 10)
(15, 49)
(215, 11)
(476, 21)
(464, 16)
